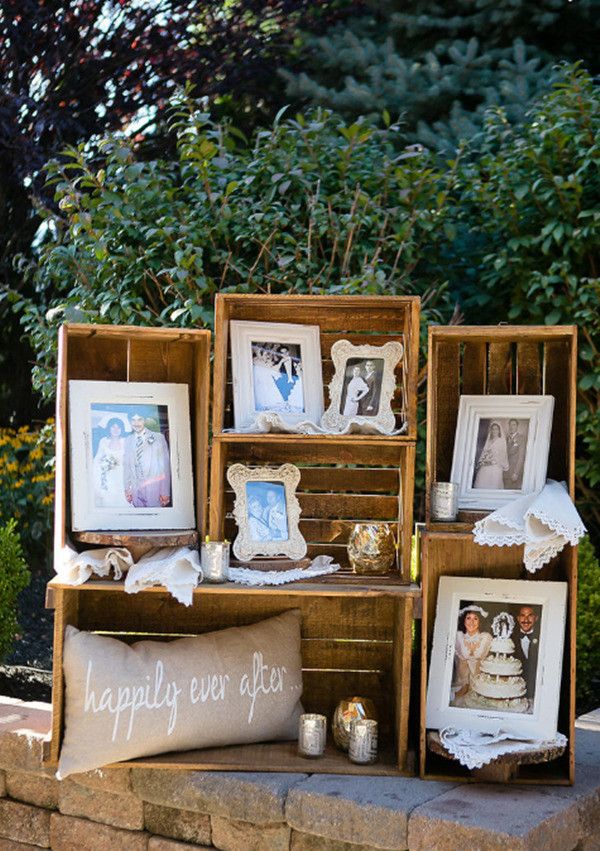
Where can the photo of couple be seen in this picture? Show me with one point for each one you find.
(500, 453)
(267, 512)
(496, 656)
(131, 466)
(277, 377)
(361, 392)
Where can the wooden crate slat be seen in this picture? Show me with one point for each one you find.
(445, 413)
(529, 368)
(97, 359)
(282, 451)
(340, 506)
(328, 338)
(353, 479)
(558, 382)
(499, 368)
(474, 369)
(343, 320)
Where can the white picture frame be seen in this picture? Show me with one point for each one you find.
(276, 367)
(494, 469)
(105, 451)
(447, 706)
(370, 403)
(267, 512)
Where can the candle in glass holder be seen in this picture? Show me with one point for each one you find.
(444, 501)
(363, 741)
(312, 732)
(214, 560)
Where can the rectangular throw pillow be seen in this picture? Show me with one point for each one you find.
(230, 687)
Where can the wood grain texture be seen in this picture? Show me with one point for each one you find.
(500, 364)
(529, 368)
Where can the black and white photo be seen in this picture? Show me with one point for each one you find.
(267, 512)
(361, 392)
(501, 448)
(496, 657)
(276, 369)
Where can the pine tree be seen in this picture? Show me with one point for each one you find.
(439, 66)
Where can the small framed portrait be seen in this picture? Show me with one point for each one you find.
(130, 456)
(497, 656)
(501, 448)
(363, 385)
(276, 368)
(266, 511)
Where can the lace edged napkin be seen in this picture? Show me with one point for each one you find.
(320, 566)
(544, 522)
(177, 568)
(75, 568)
(269, 421)
(474, 749)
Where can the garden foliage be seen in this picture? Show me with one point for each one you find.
(14, 576)
(27, 487)
(588, 618)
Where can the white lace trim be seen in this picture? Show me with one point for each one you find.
(474, 749)
(320, 566)
(269, 421)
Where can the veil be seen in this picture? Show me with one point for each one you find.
(495, 447)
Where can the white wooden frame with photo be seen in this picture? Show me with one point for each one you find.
(342, 351)
(552, 596)
(244, 547)
(537, 409)
(85, 514)
(308, 337)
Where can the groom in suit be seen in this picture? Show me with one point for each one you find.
(527, 644)
(146, 467)
(515, 449)
(368, 405)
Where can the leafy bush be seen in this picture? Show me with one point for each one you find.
(588, 637)
(14, 576)
(310, 205)
(27, 486)
(531, 196)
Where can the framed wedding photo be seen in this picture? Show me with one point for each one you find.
(501, 448)
(363, 385)
(276, 368)
(266, 511)
(130, 456)
(496, 660)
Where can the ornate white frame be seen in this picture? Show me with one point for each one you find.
(341, 351)
(244, 548)
(537, 409)
(308, 337)
(85, 515)
(552, 596)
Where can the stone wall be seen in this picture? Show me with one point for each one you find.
(164, 810)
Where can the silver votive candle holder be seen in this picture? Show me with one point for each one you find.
(312, 733)
(214, 560)
(444, 501)
(363, 741)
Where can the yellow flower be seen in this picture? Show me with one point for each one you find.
(18, 484)
(48, 499)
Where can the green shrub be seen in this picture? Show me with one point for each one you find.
(588, 635)
(14, 576)
(27, 487)
(531, 196)
(310, 205)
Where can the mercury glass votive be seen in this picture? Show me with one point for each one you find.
(214, 560)
(444, 501)
(312, 733)
(371, 548)
(363, 742)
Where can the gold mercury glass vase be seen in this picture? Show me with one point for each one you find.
(371, 548)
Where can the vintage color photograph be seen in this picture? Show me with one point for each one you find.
(277, 379)
(495, 658)
(361, 393)
(500, 453)
(267, 511)
(130, 447)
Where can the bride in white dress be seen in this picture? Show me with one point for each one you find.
(356, 389)
(493, 461)
(471, 648)
(109, 487)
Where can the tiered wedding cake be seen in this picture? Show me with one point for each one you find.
(499, 684)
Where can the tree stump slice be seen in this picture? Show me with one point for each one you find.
(503, 768)
(139, 542)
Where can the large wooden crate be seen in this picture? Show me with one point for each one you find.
(355, 641)
(502, 360)
(456, 554)
(127, 353)
(344, 479)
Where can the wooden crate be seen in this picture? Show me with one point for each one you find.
(355, 641)
(345, 478)
(127, 353)
(456, 554)
(502, 360)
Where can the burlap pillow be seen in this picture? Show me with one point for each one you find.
(235, 686)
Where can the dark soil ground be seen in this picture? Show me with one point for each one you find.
(26, 673)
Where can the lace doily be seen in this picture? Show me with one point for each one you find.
(320, 566)
(544, 522)
(474, 749)
(177, 568)
(75, 568)
(269, 421)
